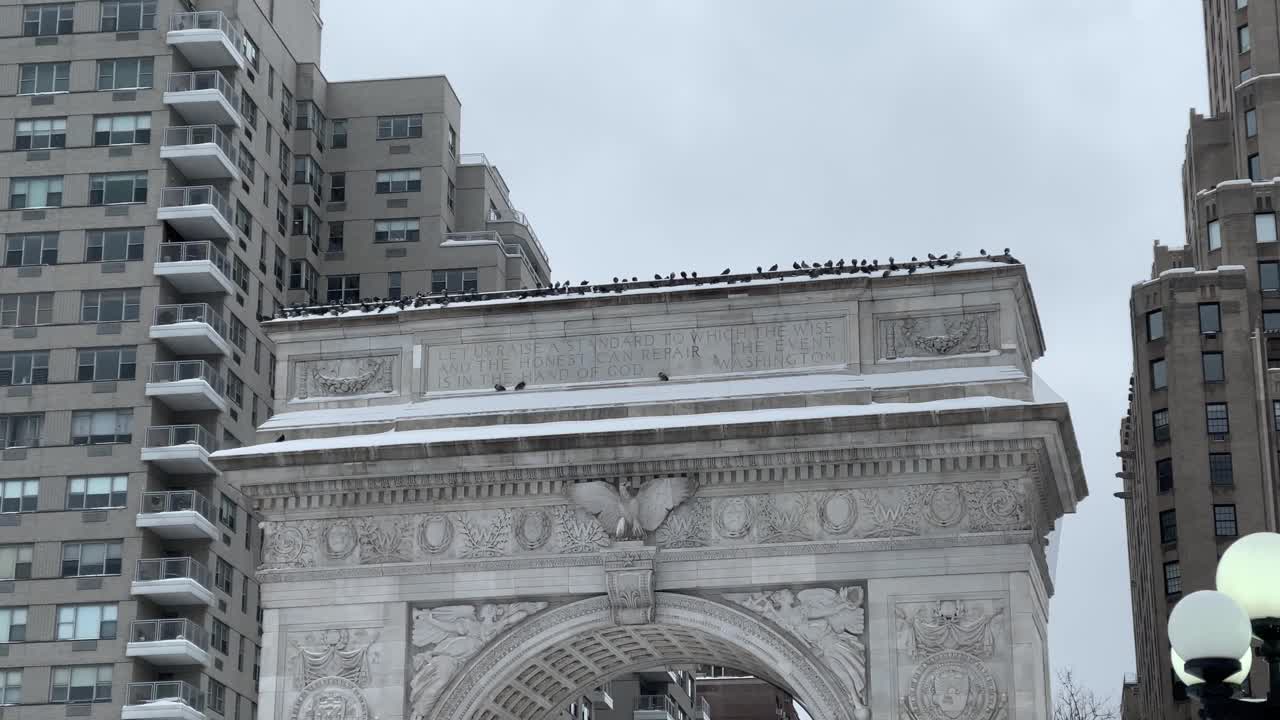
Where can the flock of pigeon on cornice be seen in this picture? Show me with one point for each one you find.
(622, 284)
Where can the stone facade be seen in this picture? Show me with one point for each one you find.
(861, 525)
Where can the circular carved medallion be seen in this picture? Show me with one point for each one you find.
(1002, 505)
(286, 546)
(330, 698)
(532, 528)
(944, 505)
(339, 540)
(435, 532)
(838, 512)
(733, 517)
(953, 685)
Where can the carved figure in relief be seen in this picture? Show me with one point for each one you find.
(627, 514)
(451, 635)
(828, 620)
(338, 653)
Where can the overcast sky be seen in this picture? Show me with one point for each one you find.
(645, 136)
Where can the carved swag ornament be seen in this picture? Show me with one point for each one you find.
(928, 336)
(343, 376)
(951, 681)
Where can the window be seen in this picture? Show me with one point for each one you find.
(227, 513)
(1246, 74)
(278, 268)
(81, 684)
(1242, 37)
(250, 51)
(244, 223)
(399, 126)
(97, 558)
(235, 389)
(1164, 475)
(26, 309)
(335, 236)
(19, 496)
(219, 635)
(1168, 526)
(1275, 414)
(1214, 230)
(237, 333)
(126, 15)
(93, 493)
(282, 213)
(1155, 325)
(1172, 578)
(1269, 275)
(1210, 320)
(41, 192)
(20, 430)
(1264, 226)
(10, 687)
(47, 19)
(13, 625)
(1220, 469)
(113, 363)
(453, 141)
(87, 622)
(118, 188)
(217, 696)
(395, 231)
(113, 245)
(1159, 379)
(338, 187)
(1242, 4)
(109, 305)
(1271, 320)
(462, 280)
(284, 162)
(240, 273)
(125, 73)
(122, 129)
(1216, 418)
(222, 575)
(1224, 521)
(339, 134)
(1255, 167)
(40, 134)
(249, 110)
(449, 193)
(398, 181)
(306, 171)
(1211, 363)
(1251, 123)
(305, 222)
(286, 107)
(44, 78)
(344, 288)
(24, 368)
(1160, 425)
(393, 285)
(31, 249)
(302, 276)
(15, 562)
(102, 427)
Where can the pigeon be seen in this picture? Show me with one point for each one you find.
(663, 376)
(615, 278)
(932, 256)
(584, 283)
(724, 271)
(684, 275)
(795, 266)
(500, 387)
(982, 252)
(656, 276)
(774, 268)
(520, 385)
(759, 270)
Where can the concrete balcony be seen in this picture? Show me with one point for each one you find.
(187, 385)
(199, 213)
(180, 449)
(601, 697)
(170, 700)
(177, 515)
(198, 266)
(655, 707)
(172, 581)
(192, 329)
(201, 152)
(168, 643)
(205, 97)
(206, 39)
(702, 709)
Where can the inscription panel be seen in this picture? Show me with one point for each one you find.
(608, 357)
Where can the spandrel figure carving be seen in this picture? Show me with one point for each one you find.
(628, 515)
(452, 635)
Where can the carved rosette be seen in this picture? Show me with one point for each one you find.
(628, 569)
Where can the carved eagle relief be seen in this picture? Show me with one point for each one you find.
(628, 515)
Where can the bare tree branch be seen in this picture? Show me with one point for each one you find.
(1075, 702)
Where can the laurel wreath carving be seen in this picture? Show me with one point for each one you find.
(484, 540)
(686, 527)
(579, 535)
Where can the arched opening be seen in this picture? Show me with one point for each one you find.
(534, 670)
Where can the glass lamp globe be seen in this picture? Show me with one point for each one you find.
(1209, 624)
(1248, 573)
(1180, 668)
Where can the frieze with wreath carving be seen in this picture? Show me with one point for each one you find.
(953, 659)
(953, 334)
(344, 377)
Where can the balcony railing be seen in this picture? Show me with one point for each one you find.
(206, 20)
(165, 501)
(177, 370)
(657, 702)
(142, 631)
(200, 135)
(198, 195)
(174, 435)
(703, 708)
(172, 569)
(205, 80)
(141, 693)
(195, 250)
(190, 313)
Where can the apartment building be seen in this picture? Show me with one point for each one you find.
(657, 694)
(1198, 445)
(170, 172)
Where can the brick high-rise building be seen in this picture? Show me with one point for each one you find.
(170, 172)
(1199, 442)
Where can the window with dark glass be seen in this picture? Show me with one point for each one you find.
(339, 134)
(81, 684)
(1155, 324)
(44, 78)
(100, 491)
(398, 181)
(91, 558)
(1251, 123)
(1159, 374)
(388, 231)
(113, 245)
(399, 126)
(15, 562)
(13, 624)
(1220, 472)
(336, 231)
(102, 427)
(338, 187)
(457, 280)
(113, 363)
(109, 305)
(1255, 167)
(26, 310)
(55, 19)
(122, 129)
(1224, 521)
(393, 285)
(1216, 420)
(219, 636)
(344, 288)
(35, 192)
(1210, 318)
(1211, 362)
(1271, 320)
(1172, 578)
(40, 134)
(20, 430)
(128, 15)
(17, 496)
(1168, 526)
(118, 188)
(1160, 425)
(31, 249)
(1275, 414)
(1164, 475)
(453, 141)
(125, 73)
(1269, 275)
(30, 367)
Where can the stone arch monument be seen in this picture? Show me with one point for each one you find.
(844, 484)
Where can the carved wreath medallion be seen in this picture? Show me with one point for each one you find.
(953, 685)
(435, 533)
(340, 540)
(330, 698)
(944, 505)
(532, 528)
(838, 512)
(734, 517)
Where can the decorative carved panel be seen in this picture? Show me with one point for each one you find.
(952, 660)
(344, 377)
(937, 335)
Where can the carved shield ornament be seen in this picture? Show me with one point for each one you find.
(330, 698)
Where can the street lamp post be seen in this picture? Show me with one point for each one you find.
(1214, 631)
